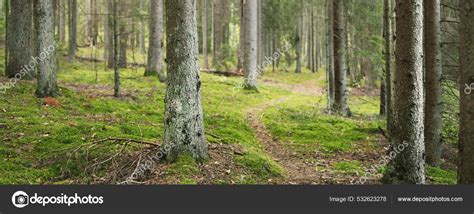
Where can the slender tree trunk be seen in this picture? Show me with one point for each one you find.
(116, 47)
(20, 29)
(388, 64)
(466, 124)
(184, 125)
(240, 54)
(123, 35)
(142, 27)
(330, 54)
(72, 29)
(407, 140)
(299, 33)
(155, 48)
(95, 22)
(433, 69)
(220, 26)
(204, 35)
(340, 92)
(250, 44)
(45, 48)
(62, 21)
(110, 34)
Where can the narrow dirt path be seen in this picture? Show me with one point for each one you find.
(298, 170)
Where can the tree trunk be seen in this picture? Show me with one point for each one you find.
(204, 35)
(388, 64)
(62, 21)
(110, 34)
(433, 69)
(116, 47)
(340, 92)
(220, 26)
(184, 125)
(45, 48)
(123, 35)
(466, 124)
(250, 44)
(299, 33)
(20, 29)
(142, 28)
(72, 29)
(155, 48)
(330, 54)
(407, 140)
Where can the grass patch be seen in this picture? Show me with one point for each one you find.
(441, 176)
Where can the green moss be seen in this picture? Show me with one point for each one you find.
(348, 167)
(441, 176)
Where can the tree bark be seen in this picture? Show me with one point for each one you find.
(155, 48)
(72, 29)
(388, 64)
(116, 47)
(340, 92)
(433, 69)
(299, 33)
(330, 54)
(184, 125)
(45, 48)
(466, 124)
(407, 140)
(123, 35)
(110, 34)
(62, 21)
(250, 44)
(204, 35)
(20, 37)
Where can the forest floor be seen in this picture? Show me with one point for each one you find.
(281, 135)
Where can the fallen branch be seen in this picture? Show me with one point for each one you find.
(383, 133)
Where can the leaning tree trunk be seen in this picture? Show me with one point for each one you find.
(155, 53)
(407, 140)
(20, 28)
(72, 7)
(466, 124)
(433, 69)
(250, 44)
(45, 48)
(184, 125)
(340, 92)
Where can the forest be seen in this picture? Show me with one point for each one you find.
(237, 92)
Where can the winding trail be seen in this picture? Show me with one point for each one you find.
(298, 170)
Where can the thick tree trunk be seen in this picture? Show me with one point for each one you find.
(72, 29)
(45, 48)
(184, 125)
(466, 124)
(433, 69)
(250, 44)
(20, 29)
(299, 33)
(340, 92)
(155, 48)
(407, 140)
